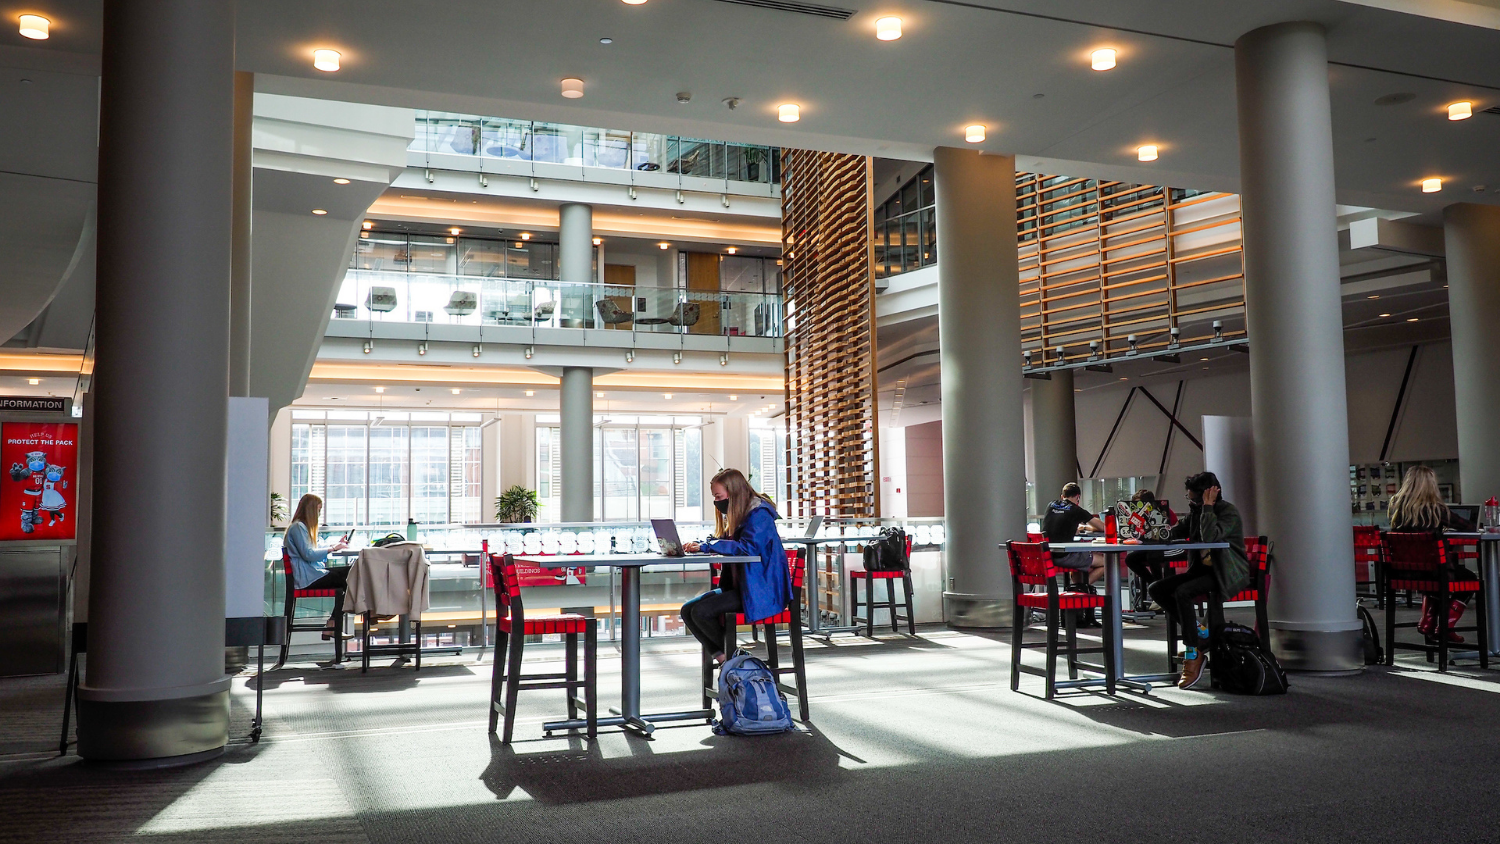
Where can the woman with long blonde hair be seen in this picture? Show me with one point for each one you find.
(309, 562)
(1418, 508)
(745, 525)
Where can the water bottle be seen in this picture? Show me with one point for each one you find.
(1492, 514)
(411, 530)
(1110, 530)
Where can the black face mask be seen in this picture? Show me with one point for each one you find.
(722, 505)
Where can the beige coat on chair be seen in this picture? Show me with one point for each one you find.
(388, 581)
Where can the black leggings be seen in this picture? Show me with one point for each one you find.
(336, 579)
(704, 616)
(1149, 566)
(1178, 596)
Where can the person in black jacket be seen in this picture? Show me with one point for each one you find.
(1418, 508)
(1061, 523)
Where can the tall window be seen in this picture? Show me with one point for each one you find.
(645, 467)
(906, 228)
(384, 467)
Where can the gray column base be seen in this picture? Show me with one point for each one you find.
(981, 611)
(1320, 651)
(164, 731)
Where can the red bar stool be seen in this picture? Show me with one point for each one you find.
(1031, 565)
(1258, 552)
(1419, 562)
(511, 629)
(1367, 558)
(889, 604)
(293, 595)
(791, 617)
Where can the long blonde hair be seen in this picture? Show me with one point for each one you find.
(1418, 504)
(742, 498)
(309, 508)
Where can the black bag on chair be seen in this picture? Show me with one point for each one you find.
(888, 553)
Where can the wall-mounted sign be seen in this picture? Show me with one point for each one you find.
(39, 490)
(44, 404)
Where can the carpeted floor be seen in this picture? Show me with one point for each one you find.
(912, 740)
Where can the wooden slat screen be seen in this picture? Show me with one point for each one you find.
(1101, 261)
(830, 335)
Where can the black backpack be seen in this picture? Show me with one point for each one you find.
(888, 553)
(1240, 665)
(1374, 654)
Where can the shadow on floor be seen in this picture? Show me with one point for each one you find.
(382, 677)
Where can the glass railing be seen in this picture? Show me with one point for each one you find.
(474, 300)
(583, 146)
(458, 601)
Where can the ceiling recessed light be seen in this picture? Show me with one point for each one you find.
(606, 40)
(789, 112)
(572, 88)
(974, 134)
(598, 240)
(1413, 319)
(379, 389)
(1376, 296)
(447, 240)
(666, 395)
(365, 235)
(1102, 59)
(888, 28)
(319, 211)
(665, 245)
(1432, 185)
(1202, 358)
(326, 60)
(368, 225)
(734, 398)
(35, 27)
(455, 230)
(731, 250)
(633, 2)
(1147, 152)
(525, 235)
(531, 392)
(341, 181)
(1384, 315)
(33, 381)
(1460, 110)
(456, 391)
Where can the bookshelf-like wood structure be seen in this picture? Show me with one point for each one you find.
(1103, 261)
(828, 285)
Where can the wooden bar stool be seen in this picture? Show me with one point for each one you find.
(511, 629)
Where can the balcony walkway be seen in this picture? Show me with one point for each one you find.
(914, 740)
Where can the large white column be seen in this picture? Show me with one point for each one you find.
(1471, 235)
(239, 285)
(1054, 435)
(577, 442)
(155, 686)
(979, 329)
(575, 242)
(1296, 334)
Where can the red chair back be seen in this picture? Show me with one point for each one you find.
(1031, 562)
(798, 565)
(1463, 547)
(1035, 537)
(1425, 551)
(286, 565)
(504, 579)
(1258, 551)
(1366, 552)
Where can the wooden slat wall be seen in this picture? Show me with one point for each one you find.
(830, 335)
(1101, 261)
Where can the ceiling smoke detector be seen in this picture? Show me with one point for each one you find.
(684, 96)
(732, 102)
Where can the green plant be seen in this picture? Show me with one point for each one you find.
(517, 504)
(278, 508)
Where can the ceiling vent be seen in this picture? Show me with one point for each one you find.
(800, 8)
(1492, 110)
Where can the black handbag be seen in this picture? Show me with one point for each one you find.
(888, 553)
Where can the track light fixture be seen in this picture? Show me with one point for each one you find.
(1026, 358)
(724, 359)
(1218, 331)
(369, 346)
(1093, 350)
(1134, 344)
(677, 357)
(630, 355)
(1175, 332)
(1061, 358)
(529, 352)
(422, 348)
(478, 349)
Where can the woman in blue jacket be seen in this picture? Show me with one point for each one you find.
(745, 524)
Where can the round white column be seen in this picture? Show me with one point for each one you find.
(979, 329)
(577, 443)
(1054, 435)
(1471, 236)
(1296, 330)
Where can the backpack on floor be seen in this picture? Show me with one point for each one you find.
(1374, 653)
(1239, 664)
(749, 702)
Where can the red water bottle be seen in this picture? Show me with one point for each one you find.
(1109, 529)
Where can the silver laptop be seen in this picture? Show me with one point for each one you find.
(666, 537)
(812, 527)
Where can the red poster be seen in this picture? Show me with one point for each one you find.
(531, 575)
(39, 492)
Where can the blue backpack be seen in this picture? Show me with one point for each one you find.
(749, 702)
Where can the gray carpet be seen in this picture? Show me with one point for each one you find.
(912, 740)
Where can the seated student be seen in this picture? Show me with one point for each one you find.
(745, 524)
(1149, 566)
(1209, 519)
(309, 562)
(1060, 524)
(1418, 507)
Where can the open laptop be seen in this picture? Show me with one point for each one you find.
(812, 527)
(667, 538)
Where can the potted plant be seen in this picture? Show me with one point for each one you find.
(753, 157)
(278, 508)
(516, 505)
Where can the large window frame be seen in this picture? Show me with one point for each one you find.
(389, 466)
(905, 227)
(645, 467)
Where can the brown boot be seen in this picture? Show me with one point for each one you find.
(1192, 671)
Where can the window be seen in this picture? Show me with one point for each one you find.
(379, 470)
(644, 468)
(905, 228)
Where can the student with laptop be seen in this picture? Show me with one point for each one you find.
(1061, 523)
(745, 525)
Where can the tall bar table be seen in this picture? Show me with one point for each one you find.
(1114, 630)
(629, 714)
(1489, 570)
(810, 546)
